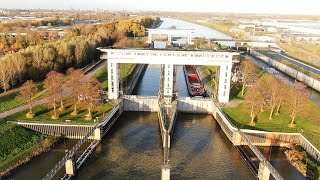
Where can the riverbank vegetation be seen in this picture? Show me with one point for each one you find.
(305, 164)
(18, 145)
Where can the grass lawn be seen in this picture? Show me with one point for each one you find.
(9, 99)
(309, 123)
(43, 114)
(102, 74)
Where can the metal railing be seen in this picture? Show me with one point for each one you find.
(73, 150)
(139, 97)
(278, 138)
(260, 156)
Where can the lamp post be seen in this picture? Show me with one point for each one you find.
(95, 120)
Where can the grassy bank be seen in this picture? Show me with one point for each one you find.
(102, 74)
(10, 98)
(308, 124)
(43, 113)
(18, 145)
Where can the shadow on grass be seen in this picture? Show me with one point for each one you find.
(242, 124)
(235, 90)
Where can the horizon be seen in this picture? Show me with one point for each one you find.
(307, 7)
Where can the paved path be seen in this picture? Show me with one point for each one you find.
(298, 63)
(46, 99)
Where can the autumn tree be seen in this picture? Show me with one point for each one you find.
(90, 93)
(249, 73)
(26, 92)
(255, 99)
(283, 95)
(4, 76)
(73, 84)
(273, 93)
(53, 85)
(297, 101)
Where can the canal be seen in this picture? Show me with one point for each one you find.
(132, 149)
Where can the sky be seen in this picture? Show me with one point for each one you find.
(311, 7)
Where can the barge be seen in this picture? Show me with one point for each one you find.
(195, 88)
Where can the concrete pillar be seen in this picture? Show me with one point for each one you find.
(237, 138)
(168, 80)
(165, 174)
(264, 172)
(149, 37)
(224, 83)
(189, 39)
(113, 80)
(70, 166)
(97, 134)
(169, 37)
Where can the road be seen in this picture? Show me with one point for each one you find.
(46, 99)
(298, 63)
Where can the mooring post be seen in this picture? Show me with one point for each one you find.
(70, 166)
(165, 175)
(264, 172)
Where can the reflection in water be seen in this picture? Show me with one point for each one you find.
(149, 84)
(42, 164)
(199, 31)
(278, 160)
(132, 150)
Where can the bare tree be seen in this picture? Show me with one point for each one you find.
(284, 89)
(19, 63)
(4, 76)
(73, 83)
(249, 71)
(11, 70)
(273, 93)
(254, 100)
(26, 92)
(53, 83)
(297, 101)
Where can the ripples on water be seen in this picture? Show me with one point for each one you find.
(133, 150)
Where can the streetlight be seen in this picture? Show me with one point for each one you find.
(95, 120)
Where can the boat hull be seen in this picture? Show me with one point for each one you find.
(195, 88)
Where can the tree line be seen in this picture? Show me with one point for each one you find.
(268, 92)
(76, 49)
(59, 88)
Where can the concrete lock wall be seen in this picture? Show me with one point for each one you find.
(311, 82)
(136, 103)
(194, 105)
(136, 76)
(68, 131)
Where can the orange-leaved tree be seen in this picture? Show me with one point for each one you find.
(26, 92)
